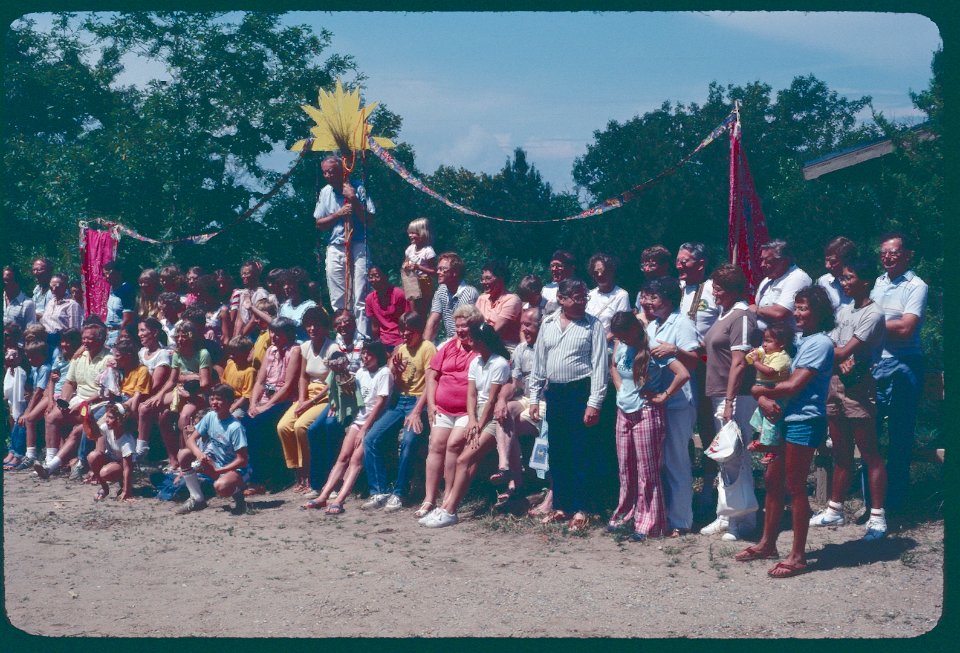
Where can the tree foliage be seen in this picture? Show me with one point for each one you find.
(187, 152)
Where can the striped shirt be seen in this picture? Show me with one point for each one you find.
(571, 354)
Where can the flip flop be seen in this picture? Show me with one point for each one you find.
(313, 504)
(554, 516)
(425, 509)
(750, 553)
(335, 509)
(786, 570)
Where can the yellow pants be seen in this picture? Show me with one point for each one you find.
(293, 430)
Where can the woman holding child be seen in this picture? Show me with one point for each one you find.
(804, 394)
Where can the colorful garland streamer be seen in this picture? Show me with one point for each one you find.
(200, 239)
(598, 209)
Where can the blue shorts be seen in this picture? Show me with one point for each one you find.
(808, 433)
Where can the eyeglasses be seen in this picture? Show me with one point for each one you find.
(890, 253)
(578, 299)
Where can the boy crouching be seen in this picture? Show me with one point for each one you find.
(217, 448)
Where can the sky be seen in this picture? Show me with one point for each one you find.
(471, 87)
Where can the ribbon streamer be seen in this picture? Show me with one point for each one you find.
(200, 239)
(598, 209)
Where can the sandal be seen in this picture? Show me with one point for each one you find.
(254, 490)
(786, 570)
(501, 477)
(12, 464)
(753, 553)
(554, 516)
(580, 522)
(314, 504)
(335, 509)
(425, 509)
(679, 532)
(102, 494)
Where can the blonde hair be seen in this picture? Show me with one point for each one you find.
(421, 227)
(468, 312)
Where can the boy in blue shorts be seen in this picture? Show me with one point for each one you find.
(217, 448)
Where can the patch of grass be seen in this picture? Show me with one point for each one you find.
(909, 558)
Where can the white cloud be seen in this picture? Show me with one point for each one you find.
(886, 39)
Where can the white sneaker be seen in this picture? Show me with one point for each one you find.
(730, 536)
(876, 529)
(375, 501)
(441, 519)
(716, 527)
(828, 517)
(428, 517)
(312, 494)
(394, 503)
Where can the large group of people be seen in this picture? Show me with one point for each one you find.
(262, 385)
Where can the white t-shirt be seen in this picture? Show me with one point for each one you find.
(315, 365)
(707, 309)
(117, 447)
(379, 384)
(603, 306)
(495, 369)
(834, 290)
(780, 291)
(160, 358)
(419, 256)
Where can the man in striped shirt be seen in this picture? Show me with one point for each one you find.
(570, 359)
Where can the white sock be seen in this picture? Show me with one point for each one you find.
(32, 452)
(192, 482)
(51, 454)
(142, 447)
(835, 507)
(878, 513)
(53, 464)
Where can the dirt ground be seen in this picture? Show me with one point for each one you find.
(73, 567)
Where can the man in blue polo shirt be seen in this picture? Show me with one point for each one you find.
(903, 297)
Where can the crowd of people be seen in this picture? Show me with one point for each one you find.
(262, 385)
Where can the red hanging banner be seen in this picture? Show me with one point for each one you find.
(747, 228)
(96, 249)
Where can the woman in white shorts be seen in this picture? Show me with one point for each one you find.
(447, 405)
(487, 374)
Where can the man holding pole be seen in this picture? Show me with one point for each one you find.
(345, 211)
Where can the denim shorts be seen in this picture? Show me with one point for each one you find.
(808, 433)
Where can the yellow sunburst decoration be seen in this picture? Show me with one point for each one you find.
(341, 123)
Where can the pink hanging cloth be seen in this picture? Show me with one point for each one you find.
(96, 249)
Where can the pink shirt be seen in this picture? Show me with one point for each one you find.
(388, 317)
(507, 307)
(452, 363)
(276, 370)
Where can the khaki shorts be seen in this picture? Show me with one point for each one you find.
(858, 402)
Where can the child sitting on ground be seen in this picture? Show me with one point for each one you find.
(772, 363)
(239, 374)
(216, 448)
(112, 459)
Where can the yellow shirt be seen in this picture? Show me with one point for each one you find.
(240, 380)
(414, 377)
(83, 373)
(137, 380)
(260, 348)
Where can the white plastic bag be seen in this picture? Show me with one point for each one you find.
(726, 443)
(736, 497)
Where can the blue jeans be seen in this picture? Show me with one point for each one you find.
(571, 452)
(18, 440)
(263, 443)
(325, 436)
(899, 382)
(374, 454)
